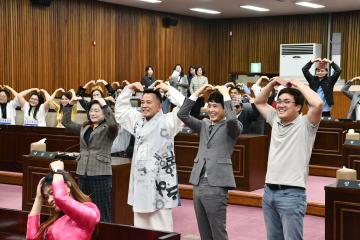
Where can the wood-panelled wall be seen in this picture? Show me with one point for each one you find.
(50, 47)
(349, 25)
(259, 39)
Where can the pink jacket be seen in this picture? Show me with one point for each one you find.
(78, 222)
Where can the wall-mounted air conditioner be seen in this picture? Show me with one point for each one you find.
(294, 56)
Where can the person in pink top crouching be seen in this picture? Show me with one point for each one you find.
(72, 215)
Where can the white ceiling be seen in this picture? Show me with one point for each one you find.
(231, 8)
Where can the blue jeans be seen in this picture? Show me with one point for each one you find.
(284, 212)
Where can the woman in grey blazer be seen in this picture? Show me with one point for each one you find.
(179, 80)
(354, 109)
(94, 165)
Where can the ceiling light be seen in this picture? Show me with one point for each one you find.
(151, 1)
(203, 10)
(310, 5)
(259, 9)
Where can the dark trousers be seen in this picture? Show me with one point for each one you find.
(99, 189)
(210, 205)
(325, 114)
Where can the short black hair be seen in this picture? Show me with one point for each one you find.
(216, 97)
(298, 96)
(236, 88)
(202, 68)
(67, 94)
(148, 67)
(155, 92)
(191, 67)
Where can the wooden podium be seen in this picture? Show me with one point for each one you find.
(342, 213)
(36, 168)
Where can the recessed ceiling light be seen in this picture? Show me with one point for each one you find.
(151, 1)
(259, 9)
(310, 5)
(203, 10)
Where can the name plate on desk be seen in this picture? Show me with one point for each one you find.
(51, 155)
(31, 123)
(348, 184)
(352, 142)
(4, 121)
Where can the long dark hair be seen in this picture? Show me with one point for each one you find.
(68, 95)
(182, 70)
(75, 192)
(7, 93)
(99, 89)
(41, 99)
(3, 105)
(191, 67)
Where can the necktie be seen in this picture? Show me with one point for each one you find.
(211, 128)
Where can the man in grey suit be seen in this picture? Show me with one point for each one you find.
(354, 110)
(212, 173)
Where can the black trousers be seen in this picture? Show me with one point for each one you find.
(99, 188)
(325, 114)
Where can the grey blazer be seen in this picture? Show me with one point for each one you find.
(182, 85)
(216, 148)
(95, 158)
(354, 97)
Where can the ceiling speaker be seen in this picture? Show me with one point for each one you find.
(168, 22)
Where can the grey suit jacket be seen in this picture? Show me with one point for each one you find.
(354, 97)
(216, 148)
(95, 158)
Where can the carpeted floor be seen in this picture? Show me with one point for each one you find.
(243, 223)
(315, 188)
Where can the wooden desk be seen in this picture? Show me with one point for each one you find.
(352, 158)
(342, 213)
(13, 226)
(16, 140)
(36, 168)
(328, 153)
(249, 159)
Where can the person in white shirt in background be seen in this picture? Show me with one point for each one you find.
(35, 110)
(7, 105)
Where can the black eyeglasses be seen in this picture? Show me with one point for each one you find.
(285, 102)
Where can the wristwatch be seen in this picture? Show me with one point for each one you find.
(59, 171)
